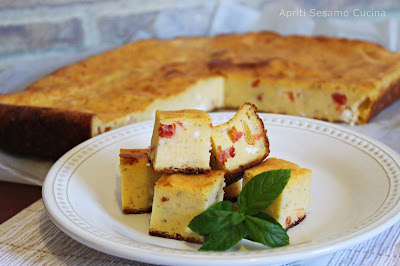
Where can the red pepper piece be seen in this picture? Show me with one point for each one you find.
(237, 136)
(166, 131)
(255, 83)
(224, 155)
(291, 96)
(339, 98)
(234, 135)
(164, 199)
(259, 136)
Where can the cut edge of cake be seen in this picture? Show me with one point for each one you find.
(189, 133)
(234, 137)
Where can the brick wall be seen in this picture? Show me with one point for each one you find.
(33, 29)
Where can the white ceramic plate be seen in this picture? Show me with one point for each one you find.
(355, 188)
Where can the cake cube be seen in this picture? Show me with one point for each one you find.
(232, 191)
(178, 198)
(137, 181)
(181, 142)
(239, 144)
(289, 209)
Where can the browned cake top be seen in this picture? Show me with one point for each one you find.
(190, 181)
(109, 83)
(187, 115)
(313, 61)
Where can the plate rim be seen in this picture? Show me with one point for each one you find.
(188, 258)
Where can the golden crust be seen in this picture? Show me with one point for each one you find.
(276, 164)
(175, 236)
(48, 132)
(188, 114)
(385, 98)
(310, 61)
(188, 170)
(126, 81)
(273, 164)
(127, 210)
(188, 181)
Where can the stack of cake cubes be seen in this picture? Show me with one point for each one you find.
(192, 165)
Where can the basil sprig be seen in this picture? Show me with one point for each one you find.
(223, 227)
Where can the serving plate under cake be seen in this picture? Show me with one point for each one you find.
(355, 190)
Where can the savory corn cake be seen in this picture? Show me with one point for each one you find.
(327, 78)
(181, 142)
(178, 198)
(232, 191)
(289, 209)
(137, 181)
(239, 144)
(320, 77)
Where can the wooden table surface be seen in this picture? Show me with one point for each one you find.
(16, 197)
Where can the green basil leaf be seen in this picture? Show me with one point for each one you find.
(266, 217)
(225, 205)
(263, 216)
(265, 232)
(224, 239)
(215, 218)
(210, 221)
(237, 217)
(262, 190)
